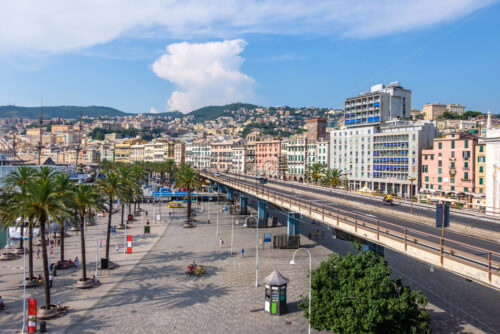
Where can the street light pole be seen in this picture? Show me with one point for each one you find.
(256, 252)
(217, 208)
(411, 195)
(232, 232)
(24, 287)
(310, 274)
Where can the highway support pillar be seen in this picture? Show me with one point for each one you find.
(220, 188)
(229, 193)
(243, 205)
(292, 223)
(262, 212)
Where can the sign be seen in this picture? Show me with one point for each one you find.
(113, 229)
(158, 217)
(267, 237)
(129, 244)
(32, 315)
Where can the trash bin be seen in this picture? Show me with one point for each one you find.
(43, 326)
(147, 229)
(104, 263)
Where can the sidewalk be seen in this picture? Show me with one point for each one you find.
(79, 301)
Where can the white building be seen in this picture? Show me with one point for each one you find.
(238, 164)
(380, 104)
(149, 152)
(323, 152)
(296, 157)
(492, 179)
(201, 154)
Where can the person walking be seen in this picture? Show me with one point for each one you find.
(117, 248)
(242, 252)
(51, 249)
(38, 252)
(221, 243)
(51, 279)
(77, 262)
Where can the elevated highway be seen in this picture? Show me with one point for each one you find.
(468, 256)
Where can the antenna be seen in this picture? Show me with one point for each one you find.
(40, 138)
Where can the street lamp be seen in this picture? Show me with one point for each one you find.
(411, 178)
(310, 274)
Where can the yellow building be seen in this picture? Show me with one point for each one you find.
(432, 111)
(480, 172)
(60, 128)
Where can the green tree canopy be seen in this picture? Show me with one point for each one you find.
(355, 294)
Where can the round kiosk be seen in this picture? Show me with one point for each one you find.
(275, 297)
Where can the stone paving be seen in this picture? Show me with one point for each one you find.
(150, 292)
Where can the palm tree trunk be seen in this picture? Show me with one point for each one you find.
(189, 206)
(21, 242)
(82, 246)
(108, 232)
(30, 252)
(61, 233)
(123, 212)
(129, 208)
(45, 259)
(135, 205)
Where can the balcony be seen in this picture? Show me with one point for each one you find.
(453, 171)
(453, 159)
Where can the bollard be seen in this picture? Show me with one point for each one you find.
(43, 326)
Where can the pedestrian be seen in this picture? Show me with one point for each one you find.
(51, 249)
(77, 262)
(242, 252)
(100, 243)
(147, 221)
(221, 243)
(117, 248)
(55, 236)
(51, 279)
(38, 252)
(316, 234)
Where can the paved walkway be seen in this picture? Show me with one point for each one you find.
(79, 301)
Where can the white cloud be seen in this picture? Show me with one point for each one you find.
(56, 26)
(205, 74)
(152, 110)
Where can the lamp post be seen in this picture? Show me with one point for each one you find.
(24, 287)
(310, 272)
(411, 178)
(217, 208)
(232, 233)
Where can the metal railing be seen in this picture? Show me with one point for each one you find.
(363, 224)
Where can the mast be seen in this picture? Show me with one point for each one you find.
(40, 138)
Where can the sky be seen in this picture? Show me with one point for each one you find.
(163, 55)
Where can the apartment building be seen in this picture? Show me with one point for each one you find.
(222, 155)
(179, 152)
(137, 152)
(450, 164)
(149, 152)
(201, 155)
(122, 152)
(480, 169)
(492, 177)
(239, 159)
(267, 157)
(380, 104)
(432, 111)
(296, 157)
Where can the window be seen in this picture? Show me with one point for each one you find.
(480, 169)
(440, 179)
(440, 171)
(466, 175)
(452, 144)
(440, 145)
(439, 187)
(466, 164)
(452, 180)
(466, 189)
(452, 188)
(440, 163)
(452, 164)
(481, 148)
(432, 186)
(481, 180)
(426, 179)
(466, 144)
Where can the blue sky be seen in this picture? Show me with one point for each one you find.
(281, 58)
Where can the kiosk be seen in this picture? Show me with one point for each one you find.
(275, 297)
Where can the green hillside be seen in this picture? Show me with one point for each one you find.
(59, 111)
(213, 112)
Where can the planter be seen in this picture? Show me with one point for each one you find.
(85, 284)
(111, 265)
(19, 251)
(47, 311)
(188, 225)
(8, 256)
(30, 283)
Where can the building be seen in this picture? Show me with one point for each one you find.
(492, 178)
(60, 128)
(449, 165)
(149, 152)
(239, 159)
(432, 111)
(122, 152)
(455, 108)
(137, 152)
(267, 157)
(107, 153)
(380, 104)
(316, 128)
(480, 169)
(179, 153)
(383, 159)
(222, 155)
(201, 155)
(296, 157)
(323, 152)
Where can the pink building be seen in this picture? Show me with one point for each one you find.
(222, 155)
(179, 153)
(449, 165)
(267, 157)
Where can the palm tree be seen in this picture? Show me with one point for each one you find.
(169, 169)
(316, 171)
(332, 177)
(39, 202)
(111, 187)
(65, 190)
(186, 177)
(139, 177)
(85, 199)
(20, 178)
(127, 185)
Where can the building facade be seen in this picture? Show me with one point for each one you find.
(267, 157)
(492, 178)
(179, 153)
(480, 169)
(432, 111)
(222, 155)
(296, 157)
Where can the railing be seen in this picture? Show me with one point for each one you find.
(376, 230)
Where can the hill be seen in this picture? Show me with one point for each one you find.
(59, 111)
(214, 112)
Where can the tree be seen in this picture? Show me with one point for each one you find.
(126, 188)
(332, 177)
(316, 171)
(64, 189)
(111, 187)
(186, 177)
(86, 198)
(355, 294)
(40, 202)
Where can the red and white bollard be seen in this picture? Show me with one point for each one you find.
(32, 315)
(129, 244)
